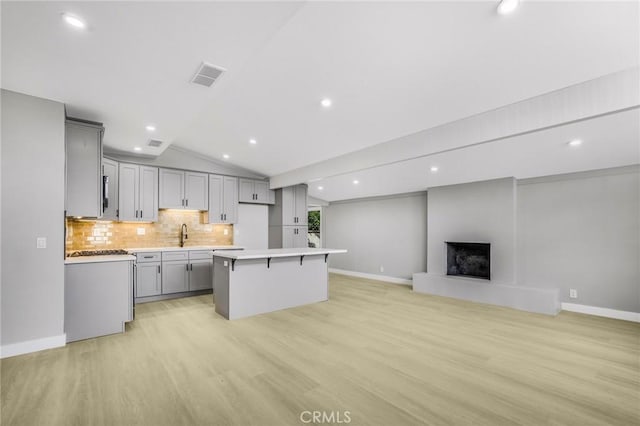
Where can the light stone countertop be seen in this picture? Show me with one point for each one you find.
(98, 259)
(264, 254)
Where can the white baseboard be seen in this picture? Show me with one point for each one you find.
(29, 346)
(376, 277)
(601, 312)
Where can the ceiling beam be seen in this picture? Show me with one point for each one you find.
(608, 94)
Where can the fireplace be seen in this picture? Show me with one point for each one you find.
(469, 260)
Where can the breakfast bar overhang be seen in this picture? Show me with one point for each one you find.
(253, 282)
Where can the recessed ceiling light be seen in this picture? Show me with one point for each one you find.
(253, 141)
(355, 182)
(137, 148)
(74, 21)
(225, 156)
(151, 128)
(326, 102)
(321, 188)
(575, 142)
(433, 169)
(507, 6)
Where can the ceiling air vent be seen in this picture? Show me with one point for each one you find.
(207, 74)
(154, 143)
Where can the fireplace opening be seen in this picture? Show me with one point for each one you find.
(469, 259)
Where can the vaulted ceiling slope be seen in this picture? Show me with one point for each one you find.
(391, 69)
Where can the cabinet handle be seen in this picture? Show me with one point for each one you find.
(221, 216)
(158, 268)
(192, 266)
(140, 214)
(187, 266)
(136, 214)
(225, 216)
(186, 202)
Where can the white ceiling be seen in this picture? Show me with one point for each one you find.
(391, 68)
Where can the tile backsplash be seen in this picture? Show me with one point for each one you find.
(100, 235)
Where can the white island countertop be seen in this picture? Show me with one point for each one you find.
(273, 253)
(193, 248)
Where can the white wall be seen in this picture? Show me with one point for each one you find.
(252, 229)
(386, 231)
(32, 206)
(582, 231)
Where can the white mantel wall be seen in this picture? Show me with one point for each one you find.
(479, 212)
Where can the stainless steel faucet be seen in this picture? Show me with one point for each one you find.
(183, 234)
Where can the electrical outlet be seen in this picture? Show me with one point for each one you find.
(225, 231)
(141, 231)
(381, 268)
(573, 293)
(41, 242)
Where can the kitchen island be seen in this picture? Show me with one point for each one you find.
(252, 282)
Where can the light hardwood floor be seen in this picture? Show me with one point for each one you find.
(384, 354)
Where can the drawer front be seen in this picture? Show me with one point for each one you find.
(200, 254)
(175, 255)
(144, 257)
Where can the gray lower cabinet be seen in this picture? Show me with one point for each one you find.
(148, 279)
(170, 272)
(200, 275)
(175, 276)
(98, 298)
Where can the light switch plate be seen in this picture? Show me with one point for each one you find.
(141, 231)
(226, 263)
(41, 242)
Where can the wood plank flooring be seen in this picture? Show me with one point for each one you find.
(386, 355)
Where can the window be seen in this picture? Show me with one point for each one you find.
(313, 236)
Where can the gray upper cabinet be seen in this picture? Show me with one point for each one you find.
(254, 191)
(196, 187)
(110, 188)
(83, 146)
(294, 205)
(137, 193)
(288, 218)
(171, 189)
(183, 190)
(223, 199)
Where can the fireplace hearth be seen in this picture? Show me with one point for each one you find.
(469, 259)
